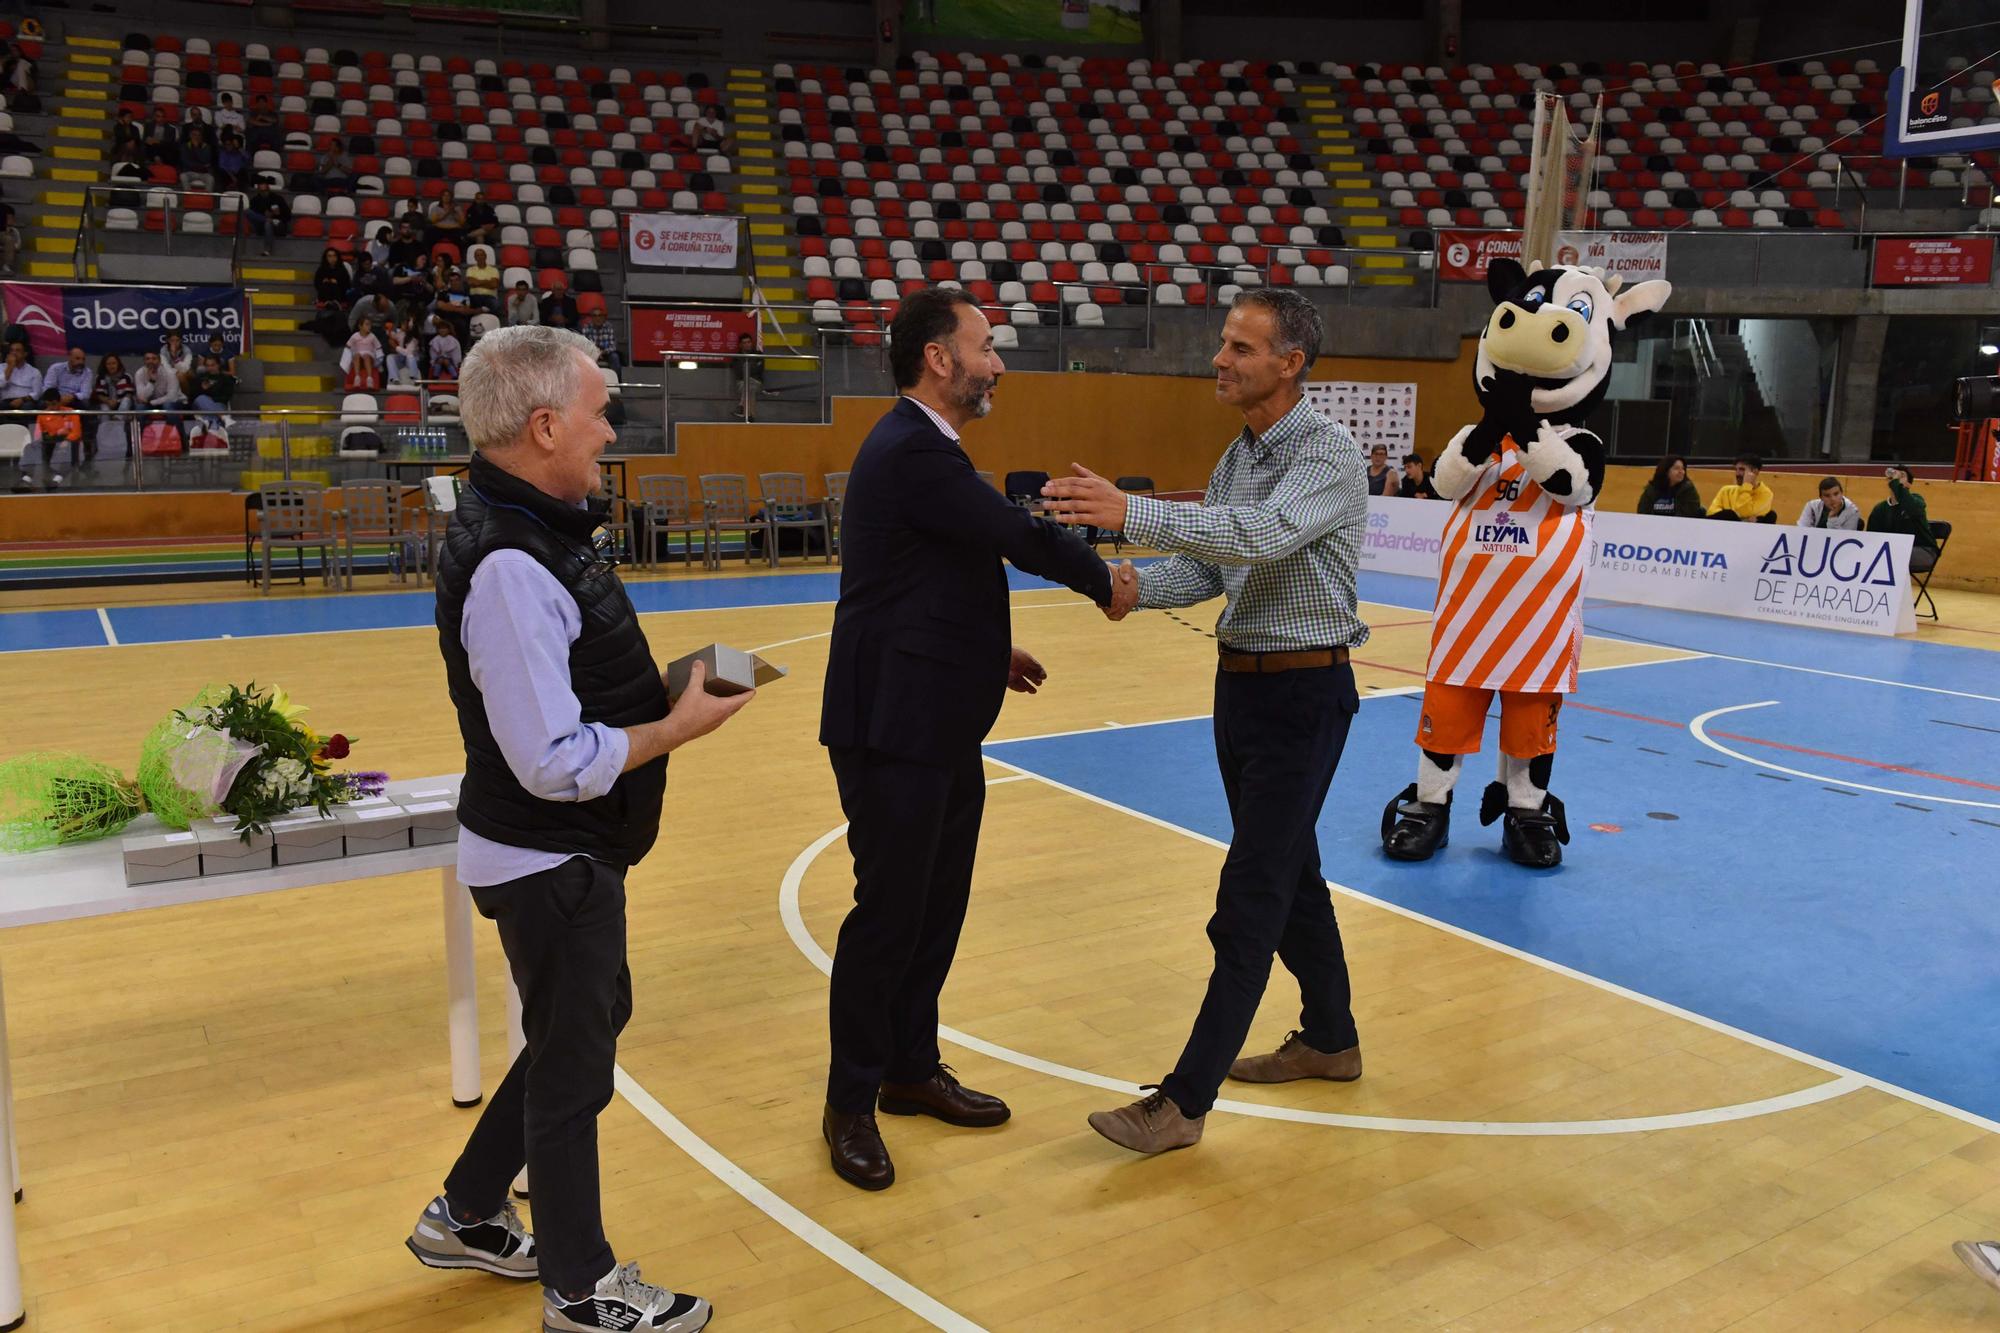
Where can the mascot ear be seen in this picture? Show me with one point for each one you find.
(1639, 301)
(1503, 276)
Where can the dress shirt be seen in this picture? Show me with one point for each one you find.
(76, 382)
(157, 389)
(937, 420)
(23, 381)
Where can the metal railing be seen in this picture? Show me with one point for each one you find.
(143, 200)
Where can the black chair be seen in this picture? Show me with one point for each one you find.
(1131, 486)
(1025, 488)
(1921, 578)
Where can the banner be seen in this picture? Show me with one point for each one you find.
(1098, 22)
(680, 240)
(1933, 261)
(1384, 414)
(1858, 581)
(1464, 255)
(1632, 255)
(689, 334)
(126, 320)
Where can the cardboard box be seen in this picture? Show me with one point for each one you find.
(368, 828)
(156, 858)
(426, 789)
(730, 671)
(307, 836)
(224, 851)
(432, 823)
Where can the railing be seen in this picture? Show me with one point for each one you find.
(143, 199)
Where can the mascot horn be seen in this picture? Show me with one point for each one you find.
(1510, 583)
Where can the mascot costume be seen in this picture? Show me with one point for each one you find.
(1509, 614)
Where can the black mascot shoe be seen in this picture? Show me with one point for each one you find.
(1413, 830)
(1533, 838)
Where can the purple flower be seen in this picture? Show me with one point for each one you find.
(367, 784)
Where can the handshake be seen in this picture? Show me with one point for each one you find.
(1124, 590)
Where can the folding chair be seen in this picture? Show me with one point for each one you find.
(1921, 578)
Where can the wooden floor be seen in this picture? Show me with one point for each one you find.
(230, 1114)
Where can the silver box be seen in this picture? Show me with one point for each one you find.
(224, 851)
(156, 858)
(307, 836)
(432, 823)
(730, 671)
(368, 828)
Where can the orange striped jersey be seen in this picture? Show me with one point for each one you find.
(1509, 610)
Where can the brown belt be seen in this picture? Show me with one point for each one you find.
(1304, 660)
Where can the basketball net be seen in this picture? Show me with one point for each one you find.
(1561, 167)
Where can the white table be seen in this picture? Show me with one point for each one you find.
(70, 883)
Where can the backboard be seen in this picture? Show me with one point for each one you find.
(1945, 95)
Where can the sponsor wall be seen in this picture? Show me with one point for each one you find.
(680, 240)
(125, 320)
(691, 335)
(1632, 255)
(1384, 414)
(1855, 581)
(1933, 261)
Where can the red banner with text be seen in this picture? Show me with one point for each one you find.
(1933, 261)
(1464, 255)
(689, 335)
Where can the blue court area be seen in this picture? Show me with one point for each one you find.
(1820, 872)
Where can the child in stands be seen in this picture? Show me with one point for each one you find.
(364, 359)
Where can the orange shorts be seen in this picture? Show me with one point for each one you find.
(1455, 715)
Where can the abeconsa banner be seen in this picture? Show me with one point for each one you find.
(125, 320)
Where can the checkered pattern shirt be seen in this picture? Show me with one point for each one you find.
(1278, 532)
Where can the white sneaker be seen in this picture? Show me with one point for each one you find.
(499, 1244)
(621, 1301)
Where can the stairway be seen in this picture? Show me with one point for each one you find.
(78, 141)
(1357, 206)
(774, 254)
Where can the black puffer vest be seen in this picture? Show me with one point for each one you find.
(610, 669)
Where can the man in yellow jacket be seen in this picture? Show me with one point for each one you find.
(1748, 500)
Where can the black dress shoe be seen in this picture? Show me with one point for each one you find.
(859, 1155)
(1414, 830)
(943, 1096)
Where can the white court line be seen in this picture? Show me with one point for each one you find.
(1843, 675)
(1713, 1025)
(795, 926)
(1699, 726)
(110, 635)
(925, 1307)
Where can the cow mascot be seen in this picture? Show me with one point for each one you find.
(1510, 580)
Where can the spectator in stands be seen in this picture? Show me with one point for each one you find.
(115, 392)
(265, 129)
(597, 328)
(748, 372)
(559, 301)
(21, 383)
(446, 220)
(402, 363)
(370, 278)
(197, 160)
(1905, 511)
(56, 423)
(232, 164)
(126, 129)
(1832, 510)
(331, 280)
(157, 389)
(482, 224)
(482, 279)
(269, 214)
(335, 171)
(409, 288)
(710, 133)
(1380, 479)
(218, 348)
(379, 243)
(196, 114)
(1670, 494)
(1416, 483)
(163, 140)
(364, 358)
(18, 75)
(72, 379)
(214, 387)
(179, 359)
(522, 308)
(1748, 500)
(407, 248)
(372, 306)
(10, 239)
(453, 305)
(445, 353)
(128, 162)
(437, 273)
(228, 114)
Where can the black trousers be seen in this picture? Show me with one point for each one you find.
(913, 830)
(564, 933)
(1278, 739)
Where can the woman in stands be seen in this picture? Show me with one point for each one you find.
(364, 359)
(402, 364)
(1670, 494)
(178, 357)
(378, 244)
(114, 393)
(332, 283)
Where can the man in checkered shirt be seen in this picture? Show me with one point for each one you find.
(1279, 535)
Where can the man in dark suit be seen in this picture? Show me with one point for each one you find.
(920, 660)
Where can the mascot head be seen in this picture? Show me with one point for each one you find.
(1550, 333)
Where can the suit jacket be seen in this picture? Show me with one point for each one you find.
(918, 663)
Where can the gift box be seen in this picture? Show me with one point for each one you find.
(156, 858)
(224, 851)
(367, 827)
(730, 671)
(305, 837)
(432, 823)
(425, 789)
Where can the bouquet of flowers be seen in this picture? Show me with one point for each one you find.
(238, 750)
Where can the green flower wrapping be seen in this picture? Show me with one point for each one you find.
(47, 800)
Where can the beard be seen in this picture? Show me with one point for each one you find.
(969, 392)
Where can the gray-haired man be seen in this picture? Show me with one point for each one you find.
(567, 730)
(1279, 535)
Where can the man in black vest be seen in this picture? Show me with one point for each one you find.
(920, 659)
(567, 730)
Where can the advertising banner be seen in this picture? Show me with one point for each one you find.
(680, 240)
(1632, 255)
(125, 320)
(1857, 581)
(689, 334)
(1933, 261)
(1463, 255)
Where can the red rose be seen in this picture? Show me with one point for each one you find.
(335, 747)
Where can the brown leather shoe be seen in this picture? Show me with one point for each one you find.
(1295, 1060)
(1151, 1125)
(859, 1155)
(943, 1096)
